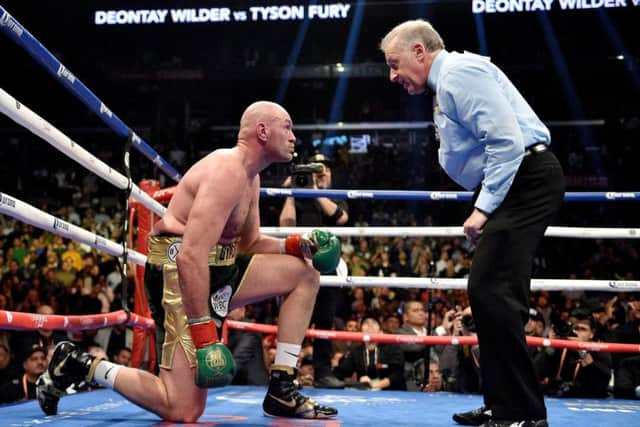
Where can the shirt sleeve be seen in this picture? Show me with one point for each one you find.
(482, 108)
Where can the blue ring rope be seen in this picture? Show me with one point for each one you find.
(16, 32)
(459, 196)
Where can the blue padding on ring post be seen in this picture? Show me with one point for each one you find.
(16, 32)
(459, 196)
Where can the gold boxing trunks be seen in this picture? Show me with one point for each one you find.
(227, 270)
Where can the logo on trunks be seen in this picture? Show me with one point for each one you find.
(172, 251)
(225, 252)
(220, 301)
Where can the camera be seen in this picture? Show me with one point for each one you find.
(302, 175)
(563, 328)
(468, 323)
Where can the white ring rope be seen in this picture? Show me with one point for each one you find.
(574, 232)
(31, 215)
(25, 117)
(447, 283)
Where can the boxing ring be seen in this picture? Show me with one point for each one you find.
(241, 405)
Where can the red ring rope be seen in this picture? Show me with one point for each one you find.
(432, 340)
(30, 321)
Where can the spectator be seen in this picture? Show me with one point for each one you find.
(580, 373)
(460, 365)
(414, 319)
(23, 387)
(377, 367)
(8, 368)
(434, 382)
(306, 372)
(122, 356)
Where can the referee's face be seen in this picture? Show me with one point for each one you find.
(407, 66)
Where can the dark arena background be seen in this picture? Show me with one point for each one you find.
(179, 73)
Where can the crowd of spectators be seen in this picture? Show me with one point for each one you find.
(44, 274)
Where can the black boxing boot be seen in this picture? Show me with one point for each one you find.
(284, 400)
(68, 366)
(48, 394)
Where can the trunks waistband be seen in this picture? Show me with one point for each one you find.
(164, 249)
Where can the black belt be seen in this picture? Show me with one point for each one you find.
(537, 148)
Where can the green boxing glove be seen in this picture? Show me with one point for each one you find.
(215, 366)
(322, 247)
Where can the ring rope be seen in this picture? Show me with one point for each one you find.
(25, 117)
(461, 196)
(20, 321)
(165, 194)
(421, 125)
(573, 232)
(31, 215)
(434, 340)
(16, 32)
(126, 223)
(444, 283)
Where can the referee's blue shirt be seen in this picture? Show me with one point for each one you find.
(484, 124)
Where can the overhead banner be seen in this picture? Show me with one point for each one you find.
(222, 14)
(515, 6)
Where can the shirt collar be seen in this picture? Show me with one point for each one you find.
(434, 72)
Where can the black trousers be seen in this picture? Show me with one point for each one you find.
(499, 287)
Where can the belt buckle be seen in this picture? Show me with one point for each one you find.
(538, 147)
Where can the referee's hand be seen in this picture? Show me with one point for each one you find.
(474, 225)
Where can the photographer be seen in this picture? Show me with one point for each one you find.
(319, 211)
(578, 373)
(460, 365)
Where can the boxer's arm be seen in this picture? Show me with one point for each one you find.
(217, 194)
(288, 217)
(252, 241)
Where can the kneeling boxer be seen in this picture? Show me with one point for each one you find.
(206, 257)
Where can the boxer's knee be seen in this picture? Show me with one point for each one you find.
(309, 280)
(184, 412)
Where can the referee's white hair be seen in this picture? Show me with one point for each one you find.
(410, 32)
